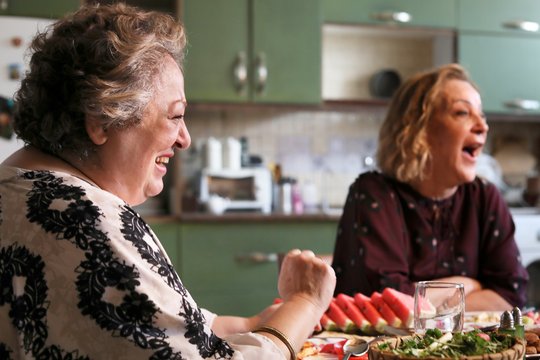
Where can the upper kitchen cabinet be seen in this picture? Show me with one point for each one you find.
(424, 13)
(38, 8)
(253, 51)
(499, 43)
(500, 16)
(506, 69)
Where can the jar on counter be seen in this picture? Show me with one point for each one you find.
(214, 158)
(232, 154)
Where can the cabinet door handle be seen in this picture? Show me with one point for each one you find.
(523, 104)
(257, 257)
(261, 72)
(4, 4)
(530, 26)
(240, 72)
(393, 16)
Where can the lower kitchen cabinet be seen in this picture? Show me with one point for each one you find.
(167, 234)
(232, 268)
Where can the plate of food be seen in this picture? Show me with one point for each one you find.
(481, 319)
(329, 346)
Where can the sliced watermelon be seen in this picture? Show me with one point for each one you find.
(337, 315)
(328, 324)
(346, 303)
(387, 313)
(374, 317)
(402, 304)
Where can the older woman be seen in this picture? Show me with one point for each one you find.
(426, 215)
(81, 274)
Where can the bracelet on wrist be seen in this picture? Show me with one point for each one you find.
(281, 336)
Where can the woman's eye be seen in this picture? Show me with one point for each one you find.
(462, 113)
(177, 117)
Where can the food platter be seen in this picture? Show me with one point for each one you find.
(467, 345)
(328, 345)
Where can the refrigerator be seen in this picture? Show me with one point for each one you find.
(16, 34)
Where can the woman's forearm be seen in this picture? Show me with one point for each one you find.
(486, 300)
(227, 325)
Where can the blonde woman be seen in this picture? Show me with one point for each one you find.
(426, 215)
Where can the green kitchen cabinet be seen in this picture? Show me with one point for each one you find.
(499, 16)
(253, 51)
(499, 44)
(38, 8)
(424, 13)
(506, 69)
(169, 236)
(231, 268)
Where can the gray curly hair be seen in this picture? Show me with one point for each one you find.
(97, 63)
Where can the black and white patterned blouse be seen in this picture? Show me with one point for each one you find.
(82, 276)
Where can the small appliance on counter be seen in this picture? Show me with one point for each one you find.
(245, 188)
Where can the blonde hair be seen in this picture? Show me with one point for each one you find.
(403, 151)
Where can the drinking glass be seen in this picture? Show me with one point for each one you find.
(439, 305)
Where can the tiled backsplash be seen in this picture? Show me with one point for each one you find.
(328, 148)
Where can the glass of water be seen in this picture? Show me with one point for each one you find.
(439, 305)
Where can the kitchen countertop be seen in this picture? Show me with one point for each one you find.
(197, 217)
(333, 216)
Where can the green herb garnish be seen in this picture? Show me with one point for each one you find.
(436, 344)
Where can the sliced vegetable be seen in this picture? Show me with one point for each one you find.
(336, 314)
(372, 315)
(382, 307)
(402, 304)
(346, 303)
(328, 324)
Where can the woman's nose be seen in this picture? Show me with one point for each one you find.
(480, 125)
(184, 139)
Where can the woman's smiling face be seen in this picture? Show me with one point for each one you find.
(132, 161)
(456, 134)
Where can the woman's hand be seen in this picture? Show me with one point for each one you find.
(470, 285)
(303, 275)
(306, 285)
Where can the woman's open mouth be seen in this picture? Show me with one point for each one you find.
(162, 160)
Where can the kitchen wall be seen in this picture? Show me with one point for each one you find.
(326, 147)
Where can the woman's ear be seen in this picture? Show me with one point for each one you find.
(95, 130)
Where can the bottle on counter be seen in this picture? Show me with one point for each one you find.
(285, 195)
(296, 198)
(244, 152)
(276, 190)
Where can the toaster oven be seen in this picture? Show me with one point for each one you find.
(245, 188)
